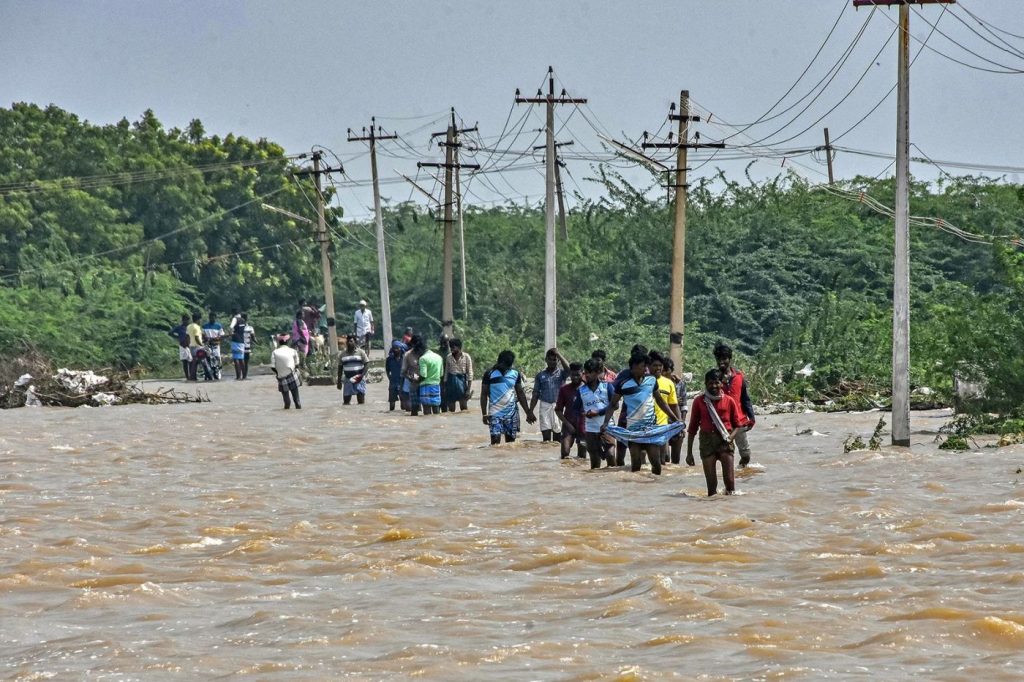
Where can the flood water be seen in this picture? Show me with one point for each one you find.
(234, 539)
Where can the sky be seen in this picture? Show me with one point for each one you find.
(302, 73)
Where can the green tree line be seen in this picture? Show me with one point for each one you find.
(109, 233)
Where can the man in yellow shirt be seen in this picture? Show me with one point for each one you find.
(667, 389)
(195, 341)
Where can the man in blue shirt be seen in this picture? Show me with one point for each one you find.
(546, 385)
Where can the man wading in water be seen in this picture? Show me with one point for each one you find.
(503, 389)
(352, 368)
(734, 384)
(716, 416)
(285, 363)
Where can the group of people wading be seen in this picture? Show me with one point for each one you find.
(585, 407)
(575, 404)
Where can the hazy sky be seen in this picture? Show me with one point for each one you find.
(301, 73)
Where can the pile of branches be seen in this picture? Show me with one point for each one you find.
(30, 380)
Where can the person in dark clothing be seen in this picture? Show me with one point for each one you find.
(393, 368)
(180, 334)
(734, 384)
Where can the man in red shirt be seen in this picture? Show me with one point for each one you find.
(568, 410)
(735, 386)
(716, 416)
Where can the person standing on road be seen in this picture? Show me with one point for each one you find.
(249, 340)
(362, 324)
(195, 341)
(179, 334)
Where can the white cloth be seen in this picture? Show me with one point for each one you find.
(547, 418)
(284, 359)
(184, 353)
(363, 320)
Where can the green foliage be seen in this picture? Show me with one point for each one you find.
(123, 227)
(955, 443)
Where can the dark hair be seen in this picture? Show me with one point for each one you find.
(599, 354)
(455, 343)
(712, 375)
(506, 359)
(722, 351)
(637, 359)
(418, 344)
(592, 365)
(551, 352)
(637, 349)
(196, 317)
(575, 367)
(667, 362)
(655, 356)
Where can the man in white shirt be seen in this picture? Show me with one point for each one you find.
(285, 361)
(363, 326)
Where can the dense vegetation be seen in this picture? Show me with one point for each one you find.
(108, 233)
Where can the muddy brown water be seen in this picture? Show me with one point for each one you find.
(236, 539)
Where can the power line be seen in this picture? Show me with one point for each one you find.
(132, 177)
(121, 249)
(1003, 70)
(762, 118)
(989, 24)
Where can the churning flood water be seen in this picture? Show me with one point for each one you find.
(234, 539)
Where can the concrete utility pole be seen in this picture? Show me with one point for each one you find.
(901, 264)
(376, 133)
(677, 295)
(450, 144)
(550, 261)
(325, 256)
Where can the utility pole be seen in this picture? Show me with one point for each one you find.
(462, 236)
(376, 133)
(550, 261)
(901, 261)
(677, 295)
(828, 157)
(325, 255)
(450, 144)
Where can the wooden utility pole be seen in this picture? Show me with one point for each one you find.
(550, 260)
(828, 157)
(376, 133)
(677, 295)
(325, 255)
(901, 261)
(450, 144)
(462, 236)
